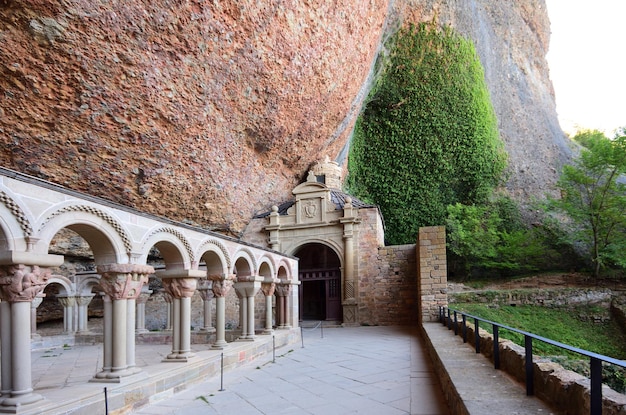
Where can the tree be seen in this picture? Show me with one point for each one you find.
(428, 135)
(593, 196)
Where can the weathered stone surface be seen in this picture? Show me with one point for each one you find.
(208, 112)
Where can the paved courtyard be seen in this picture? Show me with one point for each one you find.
(360, 370)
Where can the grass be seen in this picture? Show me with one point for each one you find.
(560, 324)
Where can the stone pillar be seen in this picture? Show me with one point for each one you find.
(140, 323)
(221, 286)
(243, 313)
(33, 312)
(20, 283)
(206, 293)
(68, 304)
(432, 272)
(82, 302)
(180, 285)
(122, 283)
(268, 287)
(283, 288)
(246, 288)
(169, 312)
(350, 308)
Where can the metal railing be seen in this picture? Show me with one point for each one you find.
(450, 318)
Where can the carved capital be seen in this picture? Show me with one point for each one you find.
(180, 287)
(268, 288)
(124, 281)
(283, 290)
(67, 301)
(21, 283)
(221, 285)
(206, 294)
(84, 300)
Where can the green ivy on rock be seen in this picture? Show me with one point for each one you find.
(428, 136)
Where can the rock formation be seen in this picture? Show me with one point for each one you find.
(207, 112)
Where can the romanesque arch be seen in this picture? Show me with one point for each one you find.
(174, 247)
(106, 236)
(15, 224)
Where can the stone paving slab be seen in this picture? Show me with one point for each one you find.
(361, 370)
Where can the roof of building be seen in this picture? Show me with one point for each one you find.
(336, 196)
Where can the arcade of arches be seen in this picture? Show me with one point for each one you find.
(319, 257)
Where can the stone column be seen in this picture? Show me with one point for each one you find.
(68, 304)
(268, 287)
(82, 302)
(180, 284)
(283, 288)
(140, 323)
(19, 285)
(243, 313)
(221, 286)
(247, 287)
(169, 312)
(206, 293)
(33, 312)
(122, 283)
(349, 220)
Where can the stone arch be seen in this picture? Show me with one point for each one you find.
(85, 284)
(266, 268)
(15, 224)
(219, 256)
(337, 249)
(173, 246)
(68, 286)
(245, 264)
(321, 277)
(284, 271)
(106, 237)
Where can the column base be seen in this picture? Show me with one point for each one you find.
(267, 331)
(114, 377)
(207, 329)
(219, 345)
(180, 358)
(245, 339)
(16, 404)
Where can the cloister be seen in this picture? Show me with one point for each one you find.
(32, 212)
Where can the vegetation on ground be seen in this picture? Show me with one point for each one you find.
(428, 135)
(562, 325)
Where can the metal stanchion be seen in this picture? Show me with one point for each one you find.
(106, 402)
(322, 328)
(222, 375)
(273, 349)
(301, 337)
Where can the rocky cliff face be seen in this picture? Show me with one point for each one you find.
(206, 112)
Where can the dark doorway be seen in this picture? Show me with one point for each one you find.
(320, 275)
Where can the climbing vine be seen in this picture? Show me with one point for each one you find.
(428, 136)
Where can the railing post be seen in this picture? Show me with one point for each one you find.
(464, 328)
(476, 335)
(449, 321)
(456, 326)
(596, 386)
(530, 381)
(496, 347)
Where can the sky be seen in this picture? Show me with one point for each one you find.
(587, 60)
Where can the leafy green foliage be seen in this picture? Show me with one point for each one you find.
(492, 237)
(428, 136)
(593, 197)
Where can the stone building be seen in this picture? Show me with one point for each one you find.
(347, 274)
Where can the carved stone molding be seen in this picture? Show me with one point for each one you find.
(221, 285)
(268, 288)
(21, 283)
(123, 281)
(180, 287)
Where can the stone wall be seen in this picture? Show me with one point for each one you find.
(566, 390)
(432, 272)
